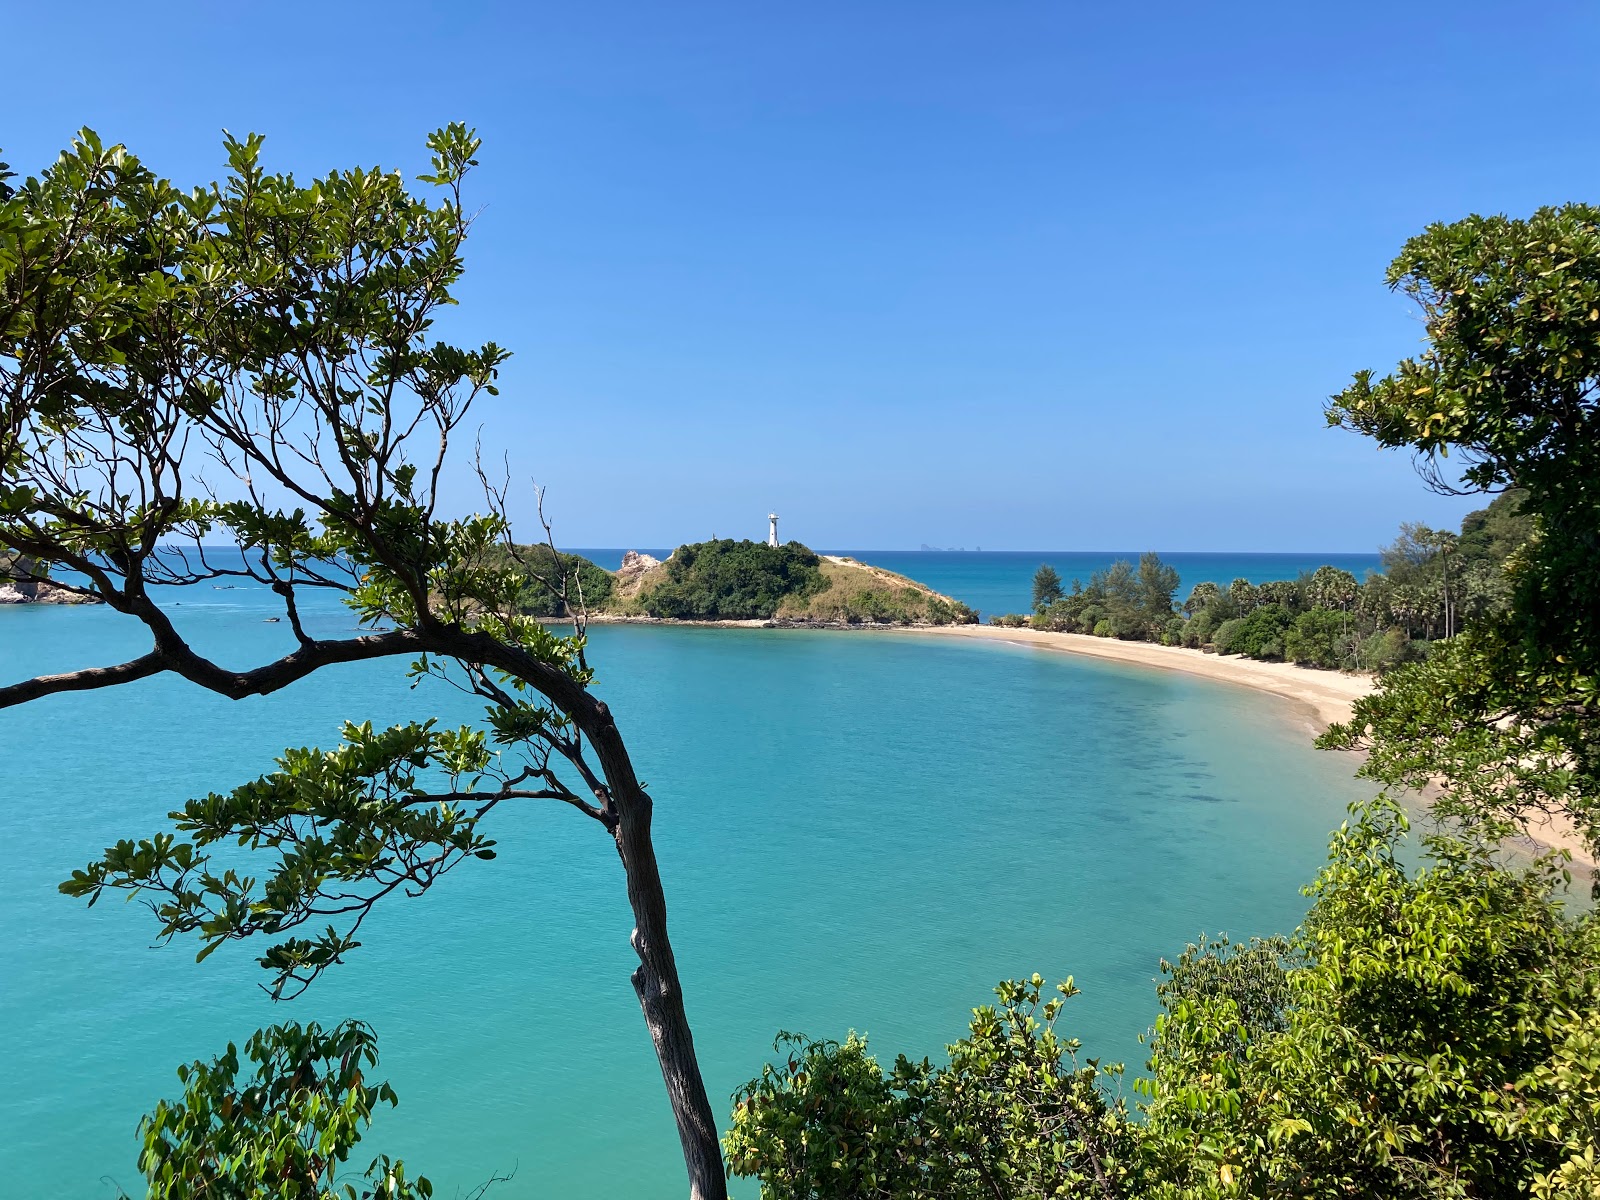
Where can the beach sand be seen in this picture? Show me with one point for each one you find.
(1329, 695)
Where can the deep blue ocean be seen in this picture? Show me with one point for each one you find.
(856, 831)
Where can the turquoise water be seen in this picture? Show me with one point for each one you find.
(1001, 581)
(856, 830)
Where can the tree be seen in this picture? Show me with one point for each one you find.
(1157, 583)
(1400, 1045)
(1202, 595)
(283, 333)
(1329, 587)
(1509, 384)
(285, 1130)
(1046, 587)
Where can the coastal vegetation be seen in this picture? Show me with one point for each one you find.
(1432, 1030)
(729, 580)
(1432, 581)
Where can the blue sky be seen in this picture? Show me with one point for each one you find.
(1023, 276)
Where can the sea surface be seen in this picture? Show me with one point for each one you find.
(1001, 581)
(856, 830)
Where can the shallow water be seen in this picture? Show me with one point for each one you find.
(856, 832)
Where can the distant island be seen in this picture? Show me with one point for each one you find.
(731, 581)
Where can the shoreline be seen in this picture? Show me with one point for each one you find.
(1330, 695)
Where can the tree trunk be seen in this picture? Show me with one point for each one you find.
(655, 981)
(661, 999)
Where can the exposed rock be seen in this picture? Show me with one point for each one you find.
(634, 563)
(38, 592)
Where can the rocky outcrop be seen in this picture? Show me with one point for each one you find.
(37, 592)
(635, 564)
(636, 571)
(20, 583)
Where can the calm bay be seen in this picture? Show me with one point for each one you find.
(856, 832)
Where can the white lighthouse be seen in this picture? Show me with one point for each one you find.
(772, 529)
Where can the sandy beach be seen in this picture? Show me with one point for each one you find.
(1328, 695)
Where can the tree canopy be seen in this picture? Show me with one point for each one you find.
(730, 580)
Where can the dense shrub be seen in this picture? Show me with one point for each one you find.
(1009, 620)
(1198, 630)
(1013, 1114)
(1323, 638)
(1387, 649)
(951, 612)
(729, 580)
(1225, 634)
(1259, 635)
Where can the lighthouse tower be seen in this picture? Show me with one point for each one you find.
(772, 529)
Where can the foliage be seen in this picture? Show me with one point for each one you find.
(1510, 383)
(1324, 637)
(284, 1130)
(1425, 726)
(348, 827)
(1046, 587)
(1122, 601)
(729, 580)
(1402, 1057)
(1201, 596)
(1261, 634)
(1013, 1114)
(1330, 588)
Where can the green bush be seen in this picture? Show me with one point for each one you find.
(826, 1122)
(729, 580)
(1430, 1033)
(952, 612)
(1390, 648)
(1198, 629)
(1010, 620)
(1323, 638)
(1225, 635)
(1259, 635)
